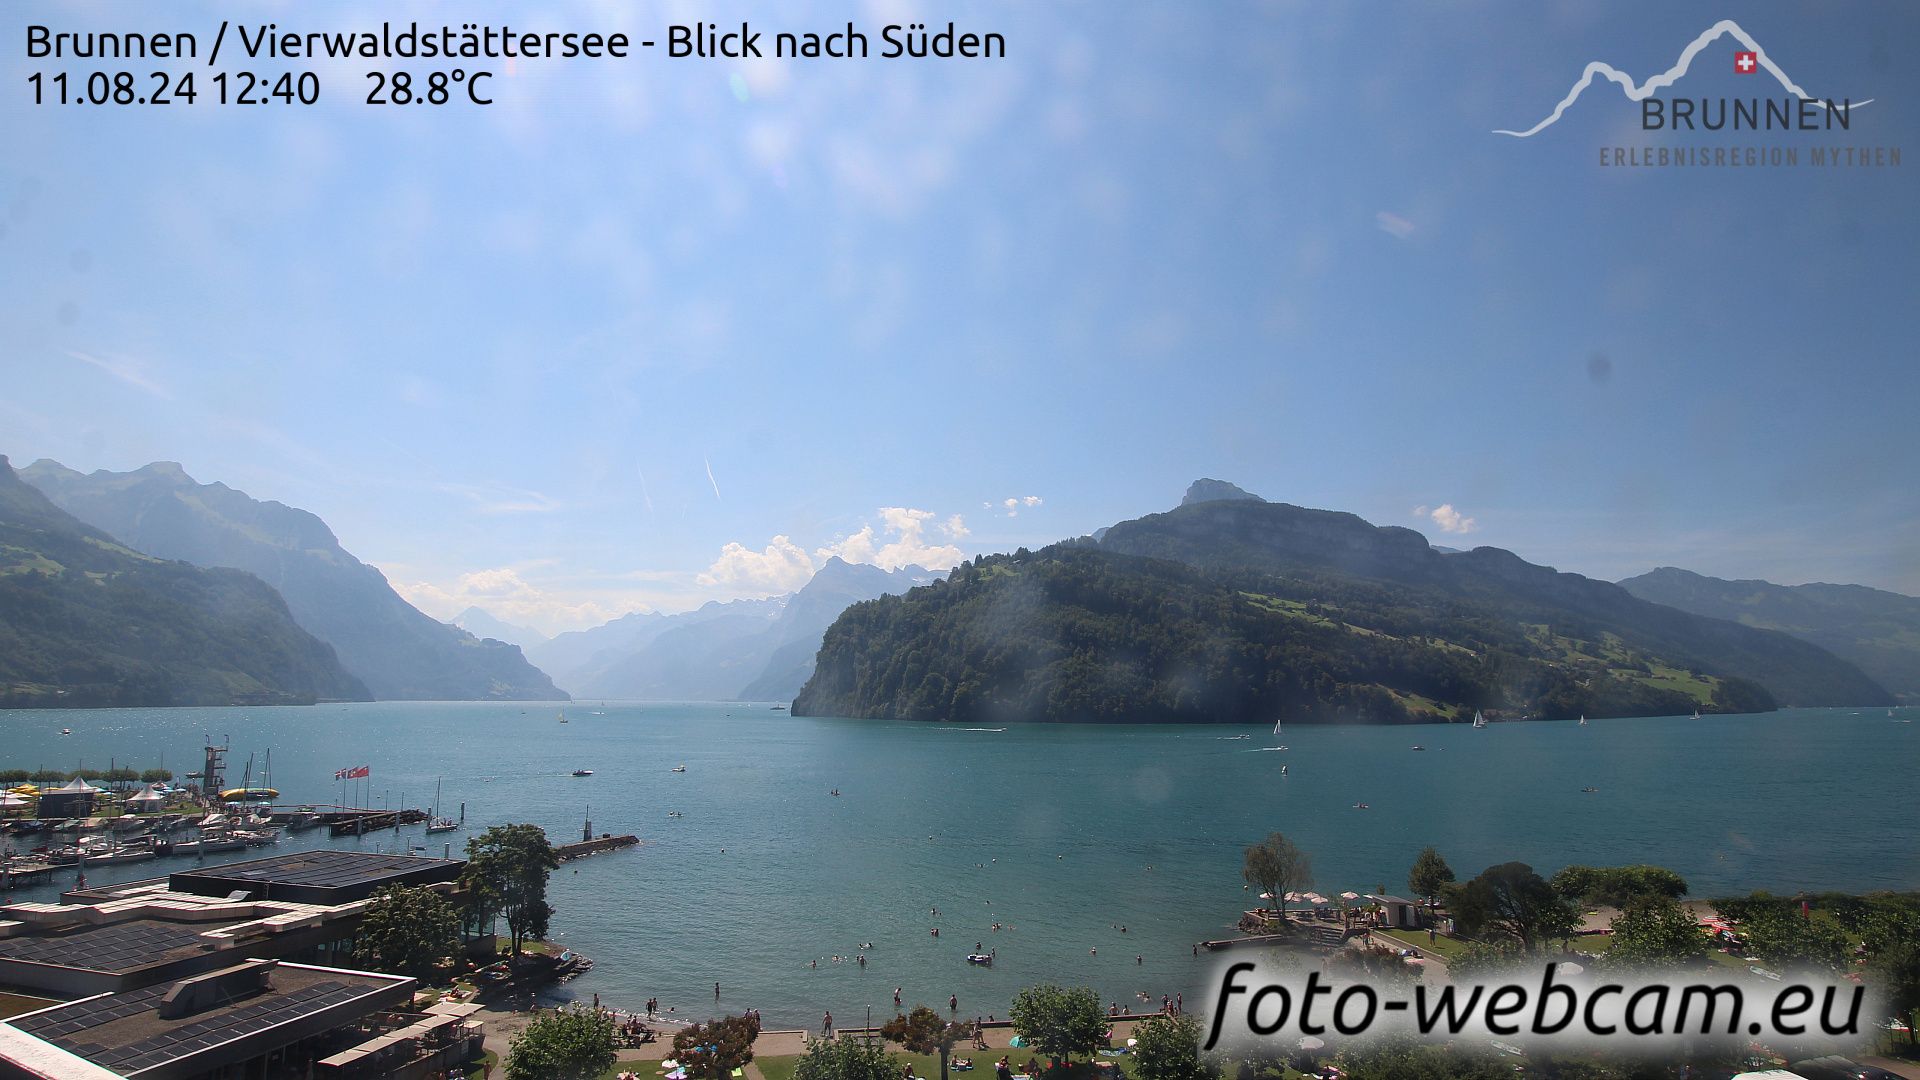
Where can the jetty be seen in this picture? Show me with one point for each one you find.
(25, 872)
(581, 849)
(355, 822)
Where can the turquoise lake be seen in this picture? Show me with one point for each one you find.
(1060, 833)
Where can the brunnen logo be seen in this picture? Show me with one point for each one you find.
(1795, 110)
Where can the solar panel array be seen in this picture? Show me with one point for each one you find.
(114, 948)
(322, 868)
(265, 1011)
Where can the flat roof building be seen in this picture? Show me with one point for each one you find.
(248, 1018)
(321, 876)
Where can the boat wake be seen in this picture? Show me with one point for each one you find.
(1264, 749)
(980, 729)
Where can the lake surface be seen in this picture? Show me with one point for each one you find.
(1060, 833)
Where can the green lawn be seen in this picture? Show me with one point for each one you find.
(1442, 946)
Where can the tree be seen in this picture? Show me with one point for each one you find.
(1780, 933)
(711, 1051)
(1895, 969)
(1168, 1048)
(1059, 1021)
(564, 1044)
(1510, 901)
(409, 930)
(845, 1059)
(1617, 886)
(157, 776)
(1655, 931)
(1430, 874)
(506, 874)
(924, 1032)
(1276, 867)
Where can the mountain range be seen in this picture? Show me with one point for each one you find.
(398, 652)
(482, 624)
(87, 621)
(1878, 631)
(1232, 608)
(746, 650)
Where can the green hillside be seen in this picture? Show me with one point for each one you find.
(85, 621)
(1074, 633)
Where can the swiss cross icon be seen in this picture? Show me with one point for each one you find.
(1746, 63)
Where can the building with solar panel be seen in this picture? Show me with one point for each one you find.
(258, 1018)
(239, 970)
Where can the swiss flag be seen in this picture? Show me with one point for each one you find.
(1746, 63)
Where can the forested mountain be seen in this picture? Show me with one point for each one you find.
(1239, 610)
(1278, 539)
(397, 651)
(84, 621)
(1877, 631)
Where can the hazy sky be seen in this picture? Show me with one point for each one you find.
(650, 332)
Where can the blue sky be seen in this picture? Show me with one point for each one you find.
(651, 332)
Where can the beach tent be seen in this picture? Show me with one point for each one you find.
(73, 799)
(146, 800)
(10, 801)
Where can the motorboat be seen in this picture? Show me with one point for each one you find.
(208, 845)
(678, 768)
(117, 855)
(583, 772)
(984, 959)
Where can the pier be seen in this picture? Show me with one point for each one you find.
(25, 873)
(583, 848)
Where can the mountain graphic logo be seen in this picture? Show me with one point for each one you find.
(1750, 60)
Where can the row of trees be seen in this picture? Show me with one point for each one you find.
(110, 777)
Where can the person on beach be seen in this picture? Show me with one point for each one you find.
(826, 1025)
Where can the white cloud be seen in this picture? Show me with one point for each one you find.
(901, 541)
(781, 568)
(1012, 506)
(127, 370)
(487, 499)
(1447, 518)
(503, 593)
(1393, 224)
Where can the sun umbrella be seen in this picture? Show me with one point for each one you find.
(1571, 969)
(1349, 896)
(1311, 1043)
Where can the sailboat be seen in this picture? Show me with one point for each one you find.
(436, 823)
(1276, 726)
(563, 716)
(1479, 721)
(1583, 719)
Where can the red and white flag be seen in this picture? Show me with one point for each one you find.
(1746, 63)
(360, 773)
